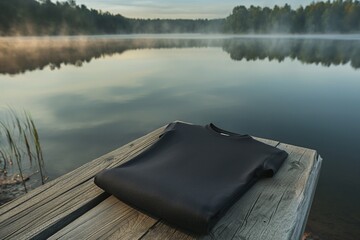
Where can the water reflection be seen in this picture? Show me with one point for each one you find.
(85, 112)
(326, 52)
(18, 55)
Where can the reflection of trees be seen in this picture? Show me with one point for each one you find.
(18, 55)
(312, 51)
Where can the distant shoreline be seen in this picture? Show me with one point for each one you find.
(333, 36)
(45, 18)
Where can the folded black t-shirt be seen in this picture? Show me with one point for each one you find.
(192, 174)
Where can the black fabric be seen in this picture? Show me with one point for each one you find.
(192, 174)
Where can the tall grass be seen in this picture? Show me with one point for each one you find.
(19, 146)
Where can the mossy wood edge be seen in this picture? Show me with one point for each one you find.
(73, 207)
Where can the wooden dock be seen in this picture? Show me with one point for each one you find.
(73, 207)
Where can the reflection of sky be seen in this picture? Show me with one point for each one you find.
(85, 112)
(147, 88)
(179, 8)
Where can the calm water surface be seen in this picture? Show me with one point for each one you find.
(90, 95)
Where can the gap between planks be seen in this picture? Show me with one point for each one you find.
(132, 224)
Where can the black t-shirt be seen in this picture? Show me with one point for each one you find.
(192, 174)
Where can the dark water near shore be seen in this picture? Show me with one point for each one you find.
(90, 95)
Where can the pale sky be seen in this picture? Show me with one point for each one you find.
(191, 9)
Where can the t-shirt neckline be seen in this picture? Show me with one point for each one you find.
(223, 133)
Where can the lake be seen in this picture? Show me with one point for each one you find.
(90, 95)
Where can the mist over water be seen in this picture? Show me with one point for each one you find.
(90, 95)
(32, 53)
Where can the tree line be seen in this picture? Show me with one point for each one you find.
(31, 17)
(319, 17)
(44, 17)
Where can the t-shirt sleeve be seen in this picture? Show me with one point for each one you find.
(273, 163)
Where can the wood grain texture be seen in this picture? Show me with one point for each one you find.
(46, 208)
(267, 141)
(118, 216)
(82, 173)
(120, 222)
(163, 231)
(72, 207)
(274, 208)
(111, 219)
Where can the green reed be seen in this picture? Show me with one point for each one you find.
(19, 142)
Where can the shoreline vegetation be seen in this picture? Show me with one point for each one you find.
(44, 17)
(21, 155)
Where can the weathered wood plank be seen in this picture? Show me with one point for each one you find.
(274, 208)
(163, 231)
(270, 209)
(54, 210)
(307, 193)
(84, 172)
(267, 141)
(64, 193)
(118, 221)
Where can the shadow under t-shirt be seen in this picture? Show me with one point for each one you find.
(192, 174)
